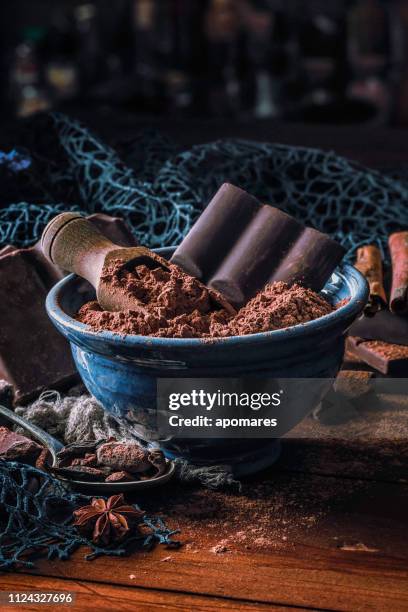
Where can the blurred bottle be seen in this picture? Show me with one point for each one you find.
(27, 90)
(369, 34)
(369, 49)
(146, 52)
(166, 36)
(194, 49)
(89, 53)
(176, 31)
(399, 84)
(59, 57)
(259, 22)
(275, 54)
(226, 57)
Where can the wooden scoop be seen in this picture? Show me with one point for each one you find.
(74, 244)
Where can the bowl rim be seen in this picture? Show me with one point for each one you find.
(348, 311)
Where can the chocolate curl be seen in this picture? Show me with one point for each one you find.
(398, 244)
(369, 263)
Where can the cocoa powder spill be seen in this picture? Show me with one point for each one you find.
(176, 305)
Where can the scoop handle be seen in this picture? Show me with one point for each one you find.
(73, 243)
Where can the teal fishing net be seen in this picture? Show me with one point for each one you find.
(36, 519)
(160, 192)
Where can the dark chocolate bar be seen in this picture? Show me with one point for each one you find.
(340, 404)
(238, 245)
(353, 384)
(389, 359)
(113, 228)
(33, 355)
(215, 232)
(15, 447)
(310, 260)
(247, 267)
(383, 326)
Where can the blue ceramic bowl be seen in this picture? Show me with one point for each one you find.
(121, 371)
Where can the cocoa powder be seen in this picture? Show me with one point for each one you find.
(176, 305)
(278, 306)
(387, 350)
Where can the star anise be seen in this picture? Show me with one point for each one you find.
(108, 520)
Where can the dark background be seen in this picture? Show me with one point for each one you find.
(335, 61)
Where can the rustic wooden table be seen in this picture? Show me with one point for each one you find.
(326, 528)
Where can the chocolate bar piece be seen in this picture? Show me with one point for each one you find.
(14, 447)
(238, 245)
(369, 263)
(398, 244)
(353, 384)
(383, 326)
(310, 260)
(113, 228)
(339, 405)
(215, 232)
(390, 359)
(33, 355)
(247, 267)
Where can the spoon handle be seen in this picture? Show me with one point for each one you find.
(73, 243)
(39, 434)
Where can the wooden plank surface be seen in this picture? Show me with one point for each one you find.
(325, 528)
(306, 577)
(110, 598)
(338, 544)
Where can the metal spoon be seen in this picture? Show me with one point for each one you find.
(102, 488)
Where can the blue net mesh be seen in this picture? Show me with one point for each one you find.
(160, 192)
(36, 516)
(21, 224)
